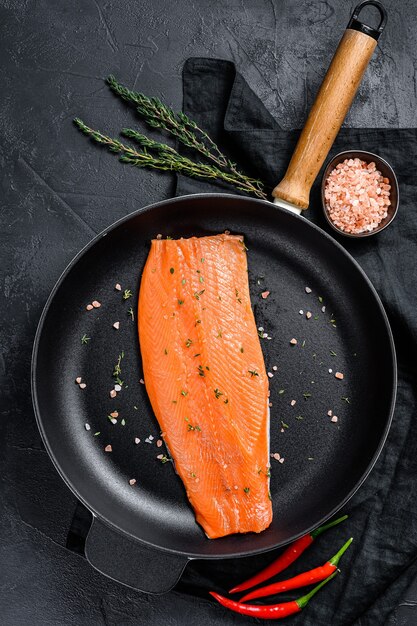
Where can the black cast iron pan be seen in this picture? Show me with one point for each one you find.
(144, 535)
(325, 462)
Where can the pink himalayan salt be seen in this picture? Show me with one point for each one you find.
(357, 196)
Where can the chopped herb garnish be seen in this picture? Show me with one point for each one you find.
(241, 349)
(269, 495)
(188, 343)
(183, 281)
(180, 302)
(174, 402)
(96, 434)
(127, 294)
(198, 271)
(190, 427)
(220, 334)
(320, 299)
(165, 351)
(316, 317)
(253, 373)
(284, 425)
(171, 269)
(168, 237)
(193, 475)
(299, 417)
(131, 313)
(310, 458)
(220, 298)
(184, 393)
(243, 244)
(237, 296)
(202, 260)
(281, 391)
(197, 322)
(200, 370)
(118, 370)
(303, 344)
(218, 393)
(201, 279)
(85, 340)
(333, 353)
(207, 368)
(226, 401)
(246, 489)
(346, 399)
(198, 294)
(136, 408)
(123, 422)
(164, 459)
(199, 354)
(306, 395)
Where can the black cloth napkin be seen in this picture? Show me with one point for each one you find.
(379, 568)
(381, 563)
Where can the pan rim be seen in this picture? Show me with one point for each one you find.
(51, 453)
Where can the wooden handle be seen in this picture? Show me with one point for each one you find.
(325, 119)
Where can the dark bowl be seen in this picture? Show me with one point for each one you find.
(385, 169)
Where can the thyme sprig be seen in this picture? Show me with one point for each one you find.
(178, 124)
(159, 156)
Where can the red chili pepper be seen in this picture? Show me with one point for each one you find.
(302, 580)
(271, 611)
(289, 555)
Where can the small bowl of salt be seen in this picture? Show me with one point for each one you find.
(359, 193)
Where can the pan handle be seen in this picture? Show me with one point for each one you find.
(329, 109)
(131, 563)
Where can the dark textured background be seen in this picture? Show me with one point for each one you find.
(57, 192)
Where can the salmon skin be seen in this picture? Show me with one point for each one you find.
(205, 376)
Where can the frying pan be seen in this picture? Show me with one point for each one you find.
(144, 535)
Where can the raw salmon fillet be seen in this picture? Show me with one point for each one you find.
(205, 376)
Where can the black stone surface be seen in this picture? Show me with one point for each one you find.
(57, 192)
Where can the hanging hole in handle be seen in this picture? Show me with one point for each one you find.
(356, 24)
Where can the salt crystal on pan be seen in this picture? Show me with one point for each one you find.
(276, 456)
(160, 456)
(96, 304)
(113, 393)
(87, 427)
(308, 315)
(308, 290)
(151, 437)
(293, 341)
(270, 375)
(114, 414)
(137, 440)
(118, 287)
(89, 307)
(265, 294)
(78, 380)
(323, 308)
(142, 382)
(116, 325)
(117, 388)
(293, 402)
(113, 420)
(334, 418)
(159, 443)
(274, 367)
(132, 481)
(330, 413)
(108, 448)
(83, 385)
(339, 375)
(301, 312)
(281, 460)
